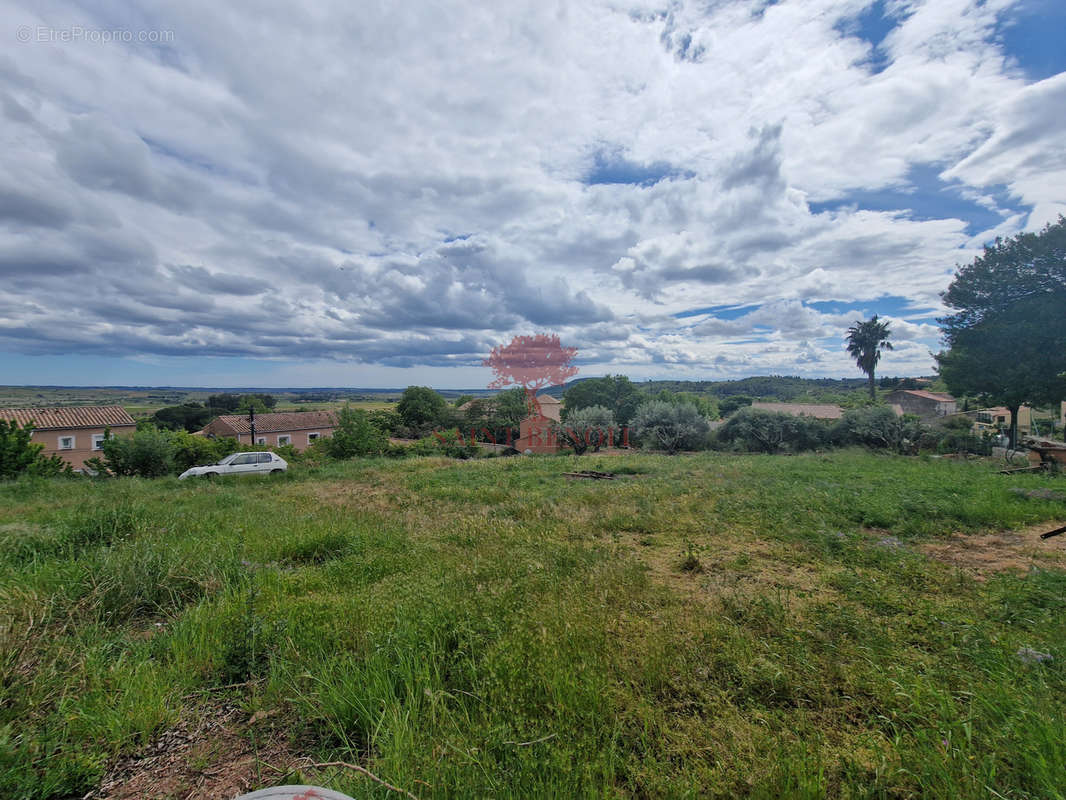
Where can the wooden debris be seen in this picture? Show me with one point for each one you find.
(1012, 470)
(1055, 532)
(592, 474)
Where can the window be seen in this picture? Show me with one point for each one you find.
(311, 437)
(283, 440)
(98, 441)
(247, 458)
(66, 442)
(265, 458)
(260, 440)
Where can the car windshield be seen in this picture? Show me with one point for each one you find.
(228, 459)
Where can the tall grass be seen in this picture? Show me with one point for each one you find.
(493, 629)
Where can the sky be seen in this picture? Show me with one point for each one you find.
(378, 193)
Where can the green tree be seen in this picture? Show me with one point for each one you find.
(670, 427)
(188, 416)
(587, 427)
(21, 456)
(421, 408)
(355, 435)
(224, 403)
(761, 431)
(614, 392)
(866, 341)
(1006, 341)
(727, 405)
(148, 453)
(262, 403)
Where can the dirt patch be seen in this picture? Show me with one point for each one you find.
(207, 755)
(986, 554)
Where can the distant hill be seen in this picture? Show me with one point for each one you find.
(766, 387)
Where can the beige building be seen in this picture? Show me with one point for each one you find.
(298, 428)
(74, 432)
(927, 405)
(998, 418)
(818, 411)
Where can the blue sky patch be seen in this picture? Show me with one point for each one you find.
(872, 25)
(718, 312)
(925, 197)
(1033, 33)
(613, 169)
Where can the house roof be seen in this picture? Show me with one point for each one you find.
(68, 417)
(280, 421)
(826, 411)
(939, 397)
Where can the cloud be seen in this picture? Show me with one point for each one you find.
(409, 184)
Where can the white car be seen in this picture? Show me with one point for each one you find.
(239, 464)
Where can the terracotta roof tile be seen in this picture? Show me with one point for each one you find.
(940, 397)
(281, 421)
(802, 409)
(66, 417)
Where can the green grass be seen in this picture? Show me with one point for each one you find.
(492, 629)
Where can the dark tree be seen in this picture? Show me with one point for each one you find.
(189, 417)
(19, 455)
(224, 403)
(616, 393)
(866, 340)
(421, 408)
(1006, 340)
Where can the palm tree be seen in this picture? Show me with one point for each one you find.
(866, 340)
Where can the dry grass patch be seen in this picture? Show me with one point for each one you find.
(985, 554)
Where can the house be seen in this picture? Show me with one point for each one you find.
(826, 411)
(74, 433)
(997, 419)
(298, 428)
(921, 403)
(537, 433)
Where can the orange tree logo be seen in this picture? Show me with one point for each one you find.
(532, 362)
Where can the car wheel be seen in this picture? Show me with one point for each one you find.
(210, 475)
(276, 471)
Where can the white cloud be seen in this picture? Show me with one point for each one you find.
(408, 183)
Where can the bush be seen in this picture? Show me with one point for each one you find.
(197, 451)
(20, 456)
(879, 427)
(355, 435)
(448, 443)
(587, 427)
(670, 426)
(148, 453)
(759, 431)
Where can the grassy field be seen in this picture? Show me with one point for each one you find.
(844, 625)
(141, 403)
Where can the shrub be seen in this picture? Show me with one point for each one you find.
(355, 435)
(18, 455)
(449, 443)
(148, 453)
(196, 451)
(670, 426)
(879, 427)
(759, 431)
(587, 427)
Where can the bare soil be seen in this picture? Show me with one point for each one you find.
(983, 555)
(207, 755)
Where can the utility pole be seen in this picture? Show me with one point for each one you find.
(251, 422)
